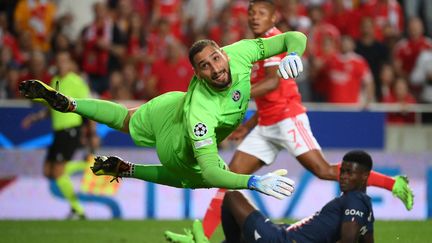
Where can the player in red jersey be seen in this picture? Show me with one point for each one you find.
(280, 123)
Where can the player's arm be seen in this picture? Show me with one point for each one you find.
(350, 232)
(216, 176)
(292, 41)
(273, 184)
(250, 51)
(367, 238)
(270, 82)
(357, 218)
(244, 128)
(202, 123)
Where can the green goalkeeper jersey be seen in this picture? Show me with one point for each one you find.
(186, 127)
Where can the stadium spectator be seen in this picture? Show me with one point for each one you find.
(37, 17)
(118, 90)
(319, 31)
(158, 39)
(136, 47)
(61, 42)
(318, 49)
(421, 79)
(97, 38)
(293, 16)
(417, 8)
(387, 76)
(347, 218)
(9, 81)
(24, 44)
(66, 132)
(120, 34)
(225, 29)
(37, 67)
(74, 16)
(421, 76)
(401, 96)
(170, 73)
(347, 75)
(132, 80)
(385, 14)
(407, 50)
(343, 17)
(7, 40)
(172, 12)
(373, 51)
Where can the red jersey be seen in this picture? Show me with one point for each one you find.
(317, 35)
(400, 117)
(281, 103)
(383, 13)
(347, 21)
(344, 75)
(407, 51)
(170, 10)
(95, 59)
(172, 77)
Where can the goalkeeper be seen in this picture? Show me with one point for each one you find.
(185, 128)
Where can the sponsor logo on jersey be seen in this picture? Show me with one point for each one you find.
(202, 143)
(354, 212)
(200, 129)
(236, 95)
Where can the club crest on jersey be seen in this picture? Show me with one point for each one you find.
(200, 129)
(236, 95)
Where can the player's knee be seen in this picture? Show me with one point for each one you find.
(230, 197)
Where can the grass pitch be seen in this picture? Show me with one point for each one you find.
(151, 231)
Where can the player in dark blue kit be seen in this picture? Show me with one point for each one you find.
(347, 218)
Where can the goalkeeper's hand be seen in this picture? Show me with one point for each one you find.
(290, 66)
(273, 184)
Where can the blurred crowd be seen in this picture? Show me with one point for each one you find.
(359, 51)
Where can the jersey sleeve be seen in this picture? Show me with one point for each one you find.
(202, 121)
(250, 51)
(355, 208)
(201, 124)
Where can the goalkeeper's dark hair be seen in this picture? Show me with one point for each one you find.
(198, 46)
(360, 157)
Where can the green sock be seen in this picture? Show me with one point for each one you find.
(102, 111)
(65, 185)
(75, 166)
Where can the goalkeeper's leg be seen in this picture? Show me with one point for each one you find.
(112, 114)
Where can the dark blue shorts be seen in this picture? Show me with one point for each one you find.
(258, 228)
